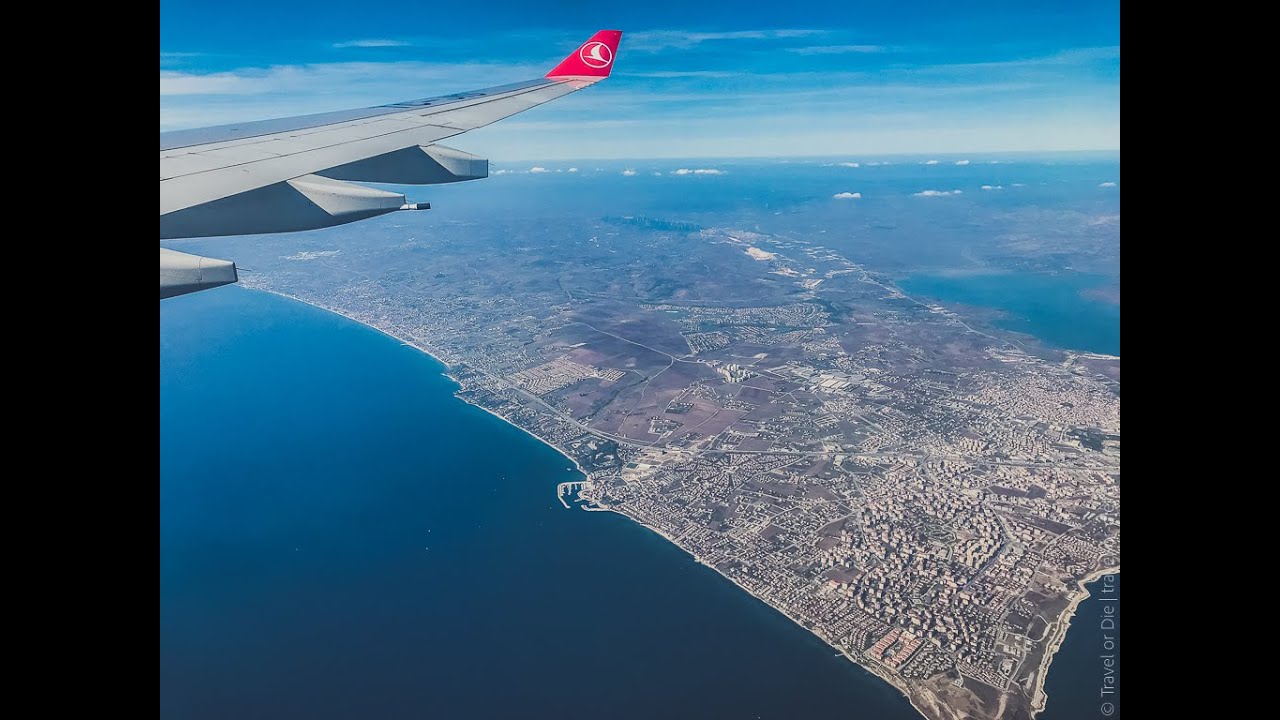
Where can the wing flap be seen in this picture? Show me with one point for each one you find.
(416, 165)
(279, 175)
(343, 144)
(303, 203)
(188, 191)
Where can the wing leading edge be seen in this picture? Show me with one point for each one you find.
(298, 173)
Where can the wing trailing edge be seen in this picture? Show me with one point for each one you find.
(297, 173)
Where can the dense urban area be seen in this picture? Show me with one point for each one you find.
(923, 492)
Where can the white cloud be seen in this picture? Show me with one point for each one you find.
(536, 169)
(654, 40)
(697, 171)
(294, 89)
(180, 83)
(176, 58)
(847, 196)
(657, 174)
(962, 162)
(848, 164)
(372, 43)
(572, 170)
(837, 49)
(930, 162)
(1019, 184)
(628, 173)
(938, 193)
(1106, 184)
(676, 74)
(878, 164)
(500, 172)
(992, 187)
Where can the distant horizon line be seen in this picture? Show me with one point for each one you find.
(828, 156)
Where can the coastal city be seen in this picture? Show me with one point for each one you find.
(577, 360)
(923, 493)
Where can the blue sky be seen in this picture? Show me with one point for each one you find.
(691, 80)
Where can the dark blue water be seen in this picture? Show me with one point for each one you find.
(340, 537)
(1078, 684)
(1055, 308)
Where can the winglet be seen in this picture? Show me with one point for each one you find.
(594, 58)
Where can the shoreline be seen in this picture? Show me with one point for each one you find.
(446, 373)
(587, 478)
(892, 682)
(1039, 698)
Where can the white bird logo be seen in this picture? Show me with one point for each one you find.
(596, 55)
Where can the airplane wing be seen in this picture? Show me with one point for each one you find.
(298, 173)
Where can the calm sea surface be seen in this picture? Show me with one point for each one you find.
(1054, 308)
(341, 537)
(1080, 670)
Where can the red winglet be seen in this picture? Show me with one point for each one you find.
(593, 59)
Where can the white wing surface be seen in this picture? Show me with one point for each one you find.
(299, 173)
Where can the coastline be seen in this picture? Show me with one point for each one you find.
(427, 351)
(1039, 697)
(893, 682)
(897, 685)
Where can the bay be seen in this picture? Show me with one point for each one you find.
(1056, 308)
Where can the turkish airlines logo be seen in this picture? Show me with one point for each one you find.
(596, 55)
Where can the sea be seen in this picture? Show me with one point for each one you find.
(1084, 679)
(340, 537)
(1056, 308)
